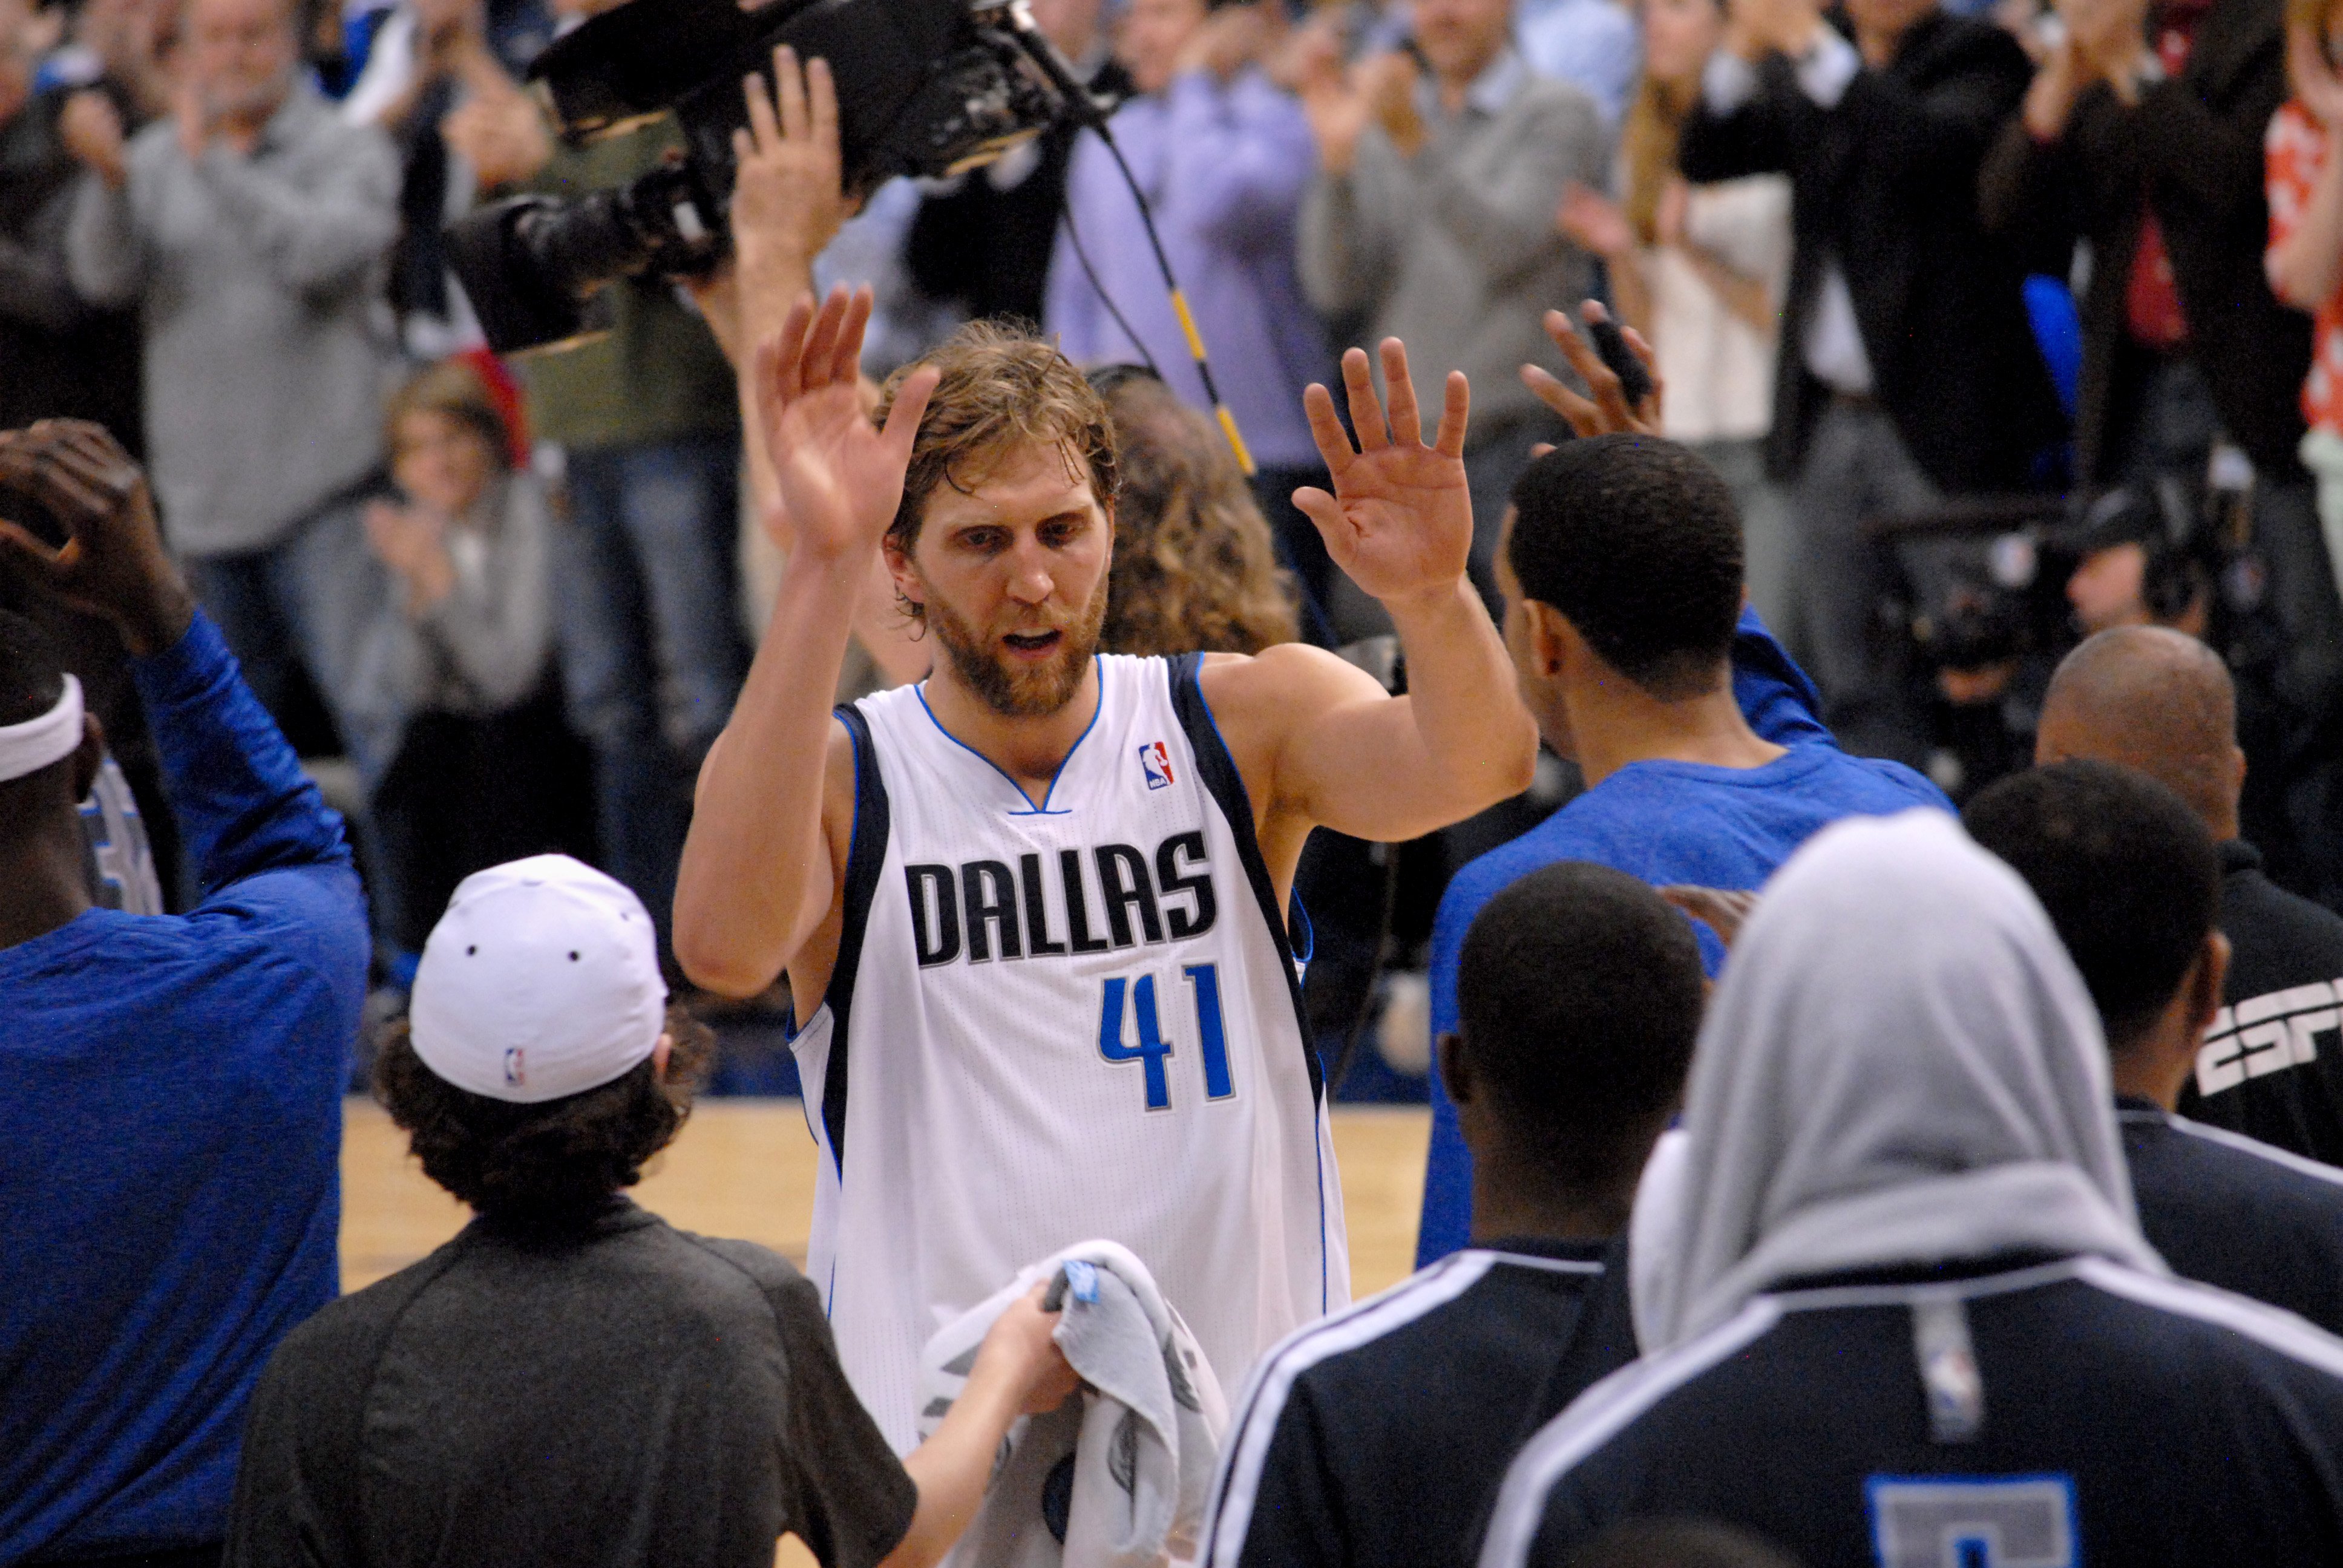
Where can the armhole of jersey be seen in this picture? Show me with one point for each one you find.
(866, 852)
(1219, 771)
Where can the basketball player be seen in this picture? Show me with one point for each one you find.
(1033, 909)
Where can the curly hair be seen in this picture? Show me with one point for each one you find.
(552, 1163)
(1003, 387)
(1193, 565)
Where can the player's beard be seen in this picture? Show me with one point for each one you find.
(1033, 692)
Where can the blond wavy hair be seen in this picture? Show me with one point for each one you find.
(1194, 569)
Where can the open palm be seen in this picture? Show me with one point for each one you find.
(840, 476)
(1400, 521)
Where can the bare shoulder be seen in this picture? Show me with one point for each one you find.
(1261, 702)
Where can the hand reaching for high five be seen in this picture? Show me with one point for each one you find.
(1400, 521)
(840, 478)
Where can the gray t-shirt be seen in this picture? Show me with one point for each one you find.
(627, 1395)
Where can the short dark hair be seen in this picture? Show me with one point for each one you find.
(32, 672)
(1677, 1544)
(2126, 870)
(1637, 542)
(548, 1163)
(1579, 994)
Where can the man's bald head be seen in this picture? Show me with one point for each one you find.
(2154, 699)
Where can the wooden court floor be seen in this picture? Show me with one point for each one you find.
(745, 1168)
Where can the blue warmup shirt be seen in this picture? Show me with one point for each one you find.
(1665, 822)
(170, 1106)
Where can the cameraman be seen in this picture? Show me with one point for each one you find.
(652, 650)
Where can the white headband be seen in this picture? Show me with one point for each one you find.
(29, 747)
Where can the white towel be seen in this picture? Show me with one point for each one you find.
(1118, 1476)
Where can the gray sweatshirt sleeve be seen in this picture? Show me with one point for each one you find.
(1507, 225)
(1345, 250)
(496, 624)
(104, 255)
(320, 239)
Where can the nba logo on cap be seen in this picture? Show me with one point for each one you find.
(516, 1067)
(1155, 761)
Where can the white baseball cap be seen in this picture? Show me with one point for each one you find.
(541, 980)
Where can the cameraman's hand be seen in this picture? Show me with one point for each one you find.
(841, 479)
(114, 566)
(787, 206)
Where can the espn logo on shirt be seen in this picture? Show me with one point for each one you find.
(2267, 1034)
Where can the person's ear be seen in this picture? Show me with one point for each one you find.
(2236, 774)
(908, 586)
(1455, 1069)
(2207, 978)
(659, 1054)
(88, 757)
(1552, 637)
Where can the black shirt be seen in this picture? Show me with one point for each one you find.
(1377, 1435)
(2272, 1064)
(2096, 1414)
(629, 1394)
(2236, 1213)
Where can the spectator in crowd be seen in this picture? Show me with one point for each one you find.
(458, 656)
(1696, 735)
(983, 243)
(1224, 157)
(1908, 371)
(2303, 182)
(248, 229)
(570, 1378)
(1431, 219)
(124, 47)
(2152, 700)
(2142, 136)
(1374, 1436)
(1700, 269)
(1589, 44)
(648, 431)
(1906, 1301)
(2152, 152)
(65, 357)
(434, 85)
(171, 1087)
(1193, 566)
(2132, 881)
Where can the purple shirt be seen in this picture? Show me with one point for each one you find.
(1224, 170)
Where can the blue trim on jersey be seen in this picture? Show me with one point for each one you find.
(921, 691)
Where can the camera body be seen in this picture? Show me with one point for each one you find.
(925, 87)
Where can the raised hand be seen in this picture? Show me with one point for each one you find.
(1400, 520)
(786, 201)
(841, 479)
(113, 564)
(1607, 412)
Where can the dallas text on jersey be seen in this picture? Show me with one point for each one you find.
(972, 910)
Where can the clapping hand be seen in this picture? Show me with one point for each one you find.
(113, 564)
(90, 126)
(1400, 521)
(841, 479)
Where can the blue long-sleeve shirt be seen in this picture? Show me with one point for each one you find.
(1665, 822)
(1224, 169)
(170, 1106)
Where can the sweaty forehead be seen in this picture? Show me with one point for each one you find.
(1028, 482)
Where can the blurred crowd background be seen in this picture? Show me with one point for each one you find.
(2004, 325)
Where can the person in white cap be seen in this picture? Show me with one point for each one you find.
(170, 1086)
(571, 1380)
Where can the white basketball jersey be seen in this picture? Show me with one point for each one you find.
(1057, 1022)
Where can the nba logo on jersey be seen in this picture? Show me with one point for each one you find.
(1155, 761)
(516, 1067)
